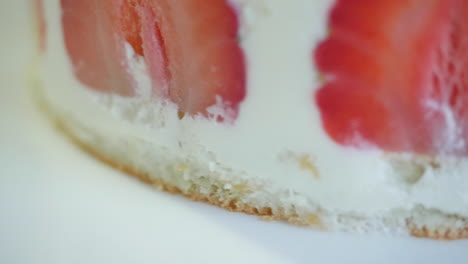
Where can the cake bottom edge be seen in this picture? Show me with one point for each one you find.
(222, 201)
(424, 223)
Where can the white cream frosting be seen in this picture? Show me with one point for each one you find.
(277, 138)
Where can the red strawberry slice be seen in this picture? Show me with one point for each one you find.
(204, 54)
(41, 24)
(136, 22)
(395, 75)
(95, 50)
(191, 49)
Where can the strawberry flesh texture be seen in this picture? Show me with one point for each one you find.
(206, 60)
(393, 70)
(190, 49)
(137, 23)
(96, 52)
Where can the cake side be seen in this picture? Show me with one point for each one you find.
(196, 181)
(271, 152)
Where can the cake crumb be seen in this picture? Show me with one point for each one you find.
(182, 167)
(267, 218)
(303, 160)
(306, 163)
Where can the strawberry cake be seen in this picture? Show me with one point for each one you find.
(344, 115)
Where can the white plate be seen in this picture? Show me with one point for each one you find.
(58, 205)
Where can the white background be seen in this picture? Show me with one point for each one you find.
(58, 205)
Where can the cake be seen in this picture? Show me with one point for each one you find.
(336, 114)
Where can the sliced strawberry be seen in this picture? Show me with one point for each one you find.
(137, 23)
(191, 49)
(128, 24)
(97, 53)
(395, 75)
(199, 44)
(41, 23)
(206, 59)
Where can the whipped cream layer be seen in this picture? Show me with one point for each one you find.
(277, 139)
